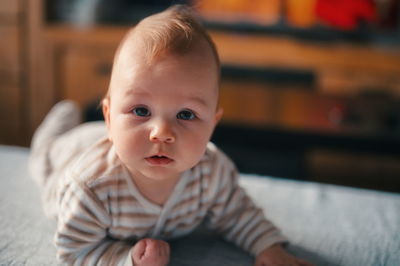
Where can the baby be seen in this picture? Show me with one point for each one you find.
(120, 191)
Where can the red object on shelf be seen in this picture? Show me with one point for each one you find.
(346, 14)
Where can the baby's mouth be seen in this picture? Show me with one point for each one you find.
(159, 160)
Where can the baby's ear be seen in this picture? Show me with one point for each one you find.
(218, 114)
(106, 113)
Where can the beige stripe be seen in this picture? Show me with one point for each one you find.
(89, 256)
(98, 187)
(92, 203)
(69, 241)
(255, 240)
(65, 257)
(78, 233)
(183, 217)
(185, 226)
(257, 228)
(107, 254)
(267, 228)
(229, 202)
(239, 230)
(227, 219)
(136, 215)
(89, 213)
(184, 203)
(87, 224)
(194, 183)
(85, 210)
(222, 194)
(129, 230)
(65, 188)
(88, 168)
(119, 254)
(122, 199)
(95, 254)
(200, 204)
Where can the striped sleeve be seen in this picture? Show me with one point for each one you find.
(81, 236)
(234, 214)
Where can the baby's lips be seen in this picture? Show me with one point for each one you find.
(159, 160)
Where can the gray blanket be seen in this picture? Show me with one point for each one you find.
(327, 225)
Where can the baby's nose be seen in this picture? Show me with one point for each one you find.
(162, 133)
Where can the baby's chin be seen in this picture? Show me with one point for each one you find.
(159, 173)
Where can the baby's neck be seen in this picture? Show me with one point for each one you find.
(156, 191)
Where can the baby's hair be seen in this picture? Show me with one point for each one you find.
(175, 31)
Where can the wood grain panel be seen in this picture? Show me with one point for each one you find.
(85, 74)
(9, 48)
(9, 6)
(10, 110)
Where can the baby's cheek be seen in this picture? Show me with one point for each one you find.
(196, 149)
(130, 144)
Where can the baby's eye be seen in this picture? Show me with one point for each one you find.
(186, 115)
(141, 111)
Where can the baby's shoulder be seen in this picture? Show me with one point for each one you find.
(98, 164)
(214, 157)
(215, 164)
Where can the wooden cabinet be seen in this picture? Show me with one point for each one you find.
(42, 62)
(340, 68)
(12, 74)
(76, 63)
(85, 74)
(82, 60)
(10, 7)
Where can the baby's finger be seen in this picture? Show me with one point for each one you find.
(153, 247)
(139, 250)
(162, 248)
(166, 249)
(304, 263)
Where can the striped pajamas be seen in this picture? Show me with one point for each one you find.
(101, 214)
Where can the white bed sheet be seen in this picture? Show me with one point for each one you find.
(326, 224)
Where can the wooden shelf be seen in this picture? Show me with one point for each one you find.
(67, 61)
(47, 62)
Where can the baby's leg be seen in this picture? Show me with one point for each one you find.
(62, 117)
(56, 145)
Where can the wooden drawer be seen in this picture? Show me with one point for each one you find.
(85, 74)
(258, 104)
(351, 82)
(247, 103)
(9, 49)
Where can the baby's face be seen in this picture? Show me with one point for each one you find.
(160, 117)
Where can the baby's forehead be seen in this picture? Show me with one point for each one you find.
(187, 80)
(135, 50)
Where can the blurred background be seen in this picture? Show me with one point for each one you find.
(310, 88)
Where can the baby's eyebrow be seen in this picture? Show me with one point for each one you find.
(136, 91)
(198, 100)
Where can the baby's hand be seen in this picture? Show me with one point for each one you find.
(277, 256)
(150, 252)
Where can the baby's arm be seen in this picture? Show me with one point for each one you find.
(235, 215)
(276, 255)
(81, 236)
